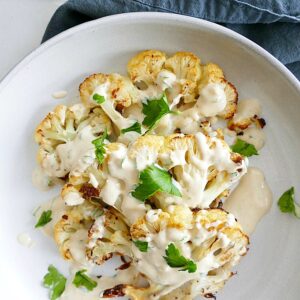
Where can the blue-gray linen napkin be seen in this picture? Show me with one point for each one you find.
(273, 24)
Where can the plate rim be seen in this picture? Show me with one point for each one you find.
(144, 16)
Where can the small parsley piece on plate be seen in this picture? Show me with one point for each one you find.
(287, 203)
(154, 110)
(44, 219)
(55, 281)
(135, 127)
(154, 179)
(98, 98)
(244, 148)
(99, 145)
(175, 260)
(143, 246)
(82, 279)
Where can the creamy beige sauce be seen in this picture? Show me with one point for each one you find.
(59, 94)
(73, 156)
(77, 246)
(254, 136)
(247, 109)
(126, 276)
(25, 240)
(251, 200)
(57, 206)
(41, 180)
(212, 100)
(188, 121)
(165, 79)
(123, 175)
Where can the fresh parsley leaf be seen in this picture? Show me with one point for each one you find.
(98, 98)
(135, 127)
(143, 246)
(99, 145)
(175, 260)
(287, 203)
(154, 110)
(55, 281)
(244, 148)
(44, 219)
(154, 179)
(82, 279)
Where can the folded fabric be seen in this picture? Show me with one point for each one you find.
(274, 25)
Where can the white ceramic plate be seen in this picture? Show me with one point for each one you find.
(271, 270)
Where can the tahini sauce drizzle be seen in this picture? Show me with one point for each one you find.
(25, 240)
(251, 200)
(74, 156)
(123, 175)
(57, 206)
(59, 94)
(211, 102)
(246, 109)
(122, 277)
(254, 136)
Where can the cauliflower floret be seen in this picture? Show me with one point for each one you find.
(145, 150)
(85, 185)
(65, 137)
(212, 239)
(108, 235)
(203, 166)
(177, 217)
(117, 93)
(145, 66)
(212, 73)
(76, 220)
(118, 89)
(76, 194)
(186, 67)
(247, 114)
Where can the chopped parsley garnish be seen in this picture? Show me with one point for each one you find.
(44, 219)
(82, 279)
(99, 145)
(154, 110)
(244, 148)
(287, 203)
(175, 260)
(154, 179)
(98, 98)
(143, 246)
(55, 281)
(135, 127)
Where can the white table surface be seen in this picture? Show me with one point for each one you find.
(22, 25)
